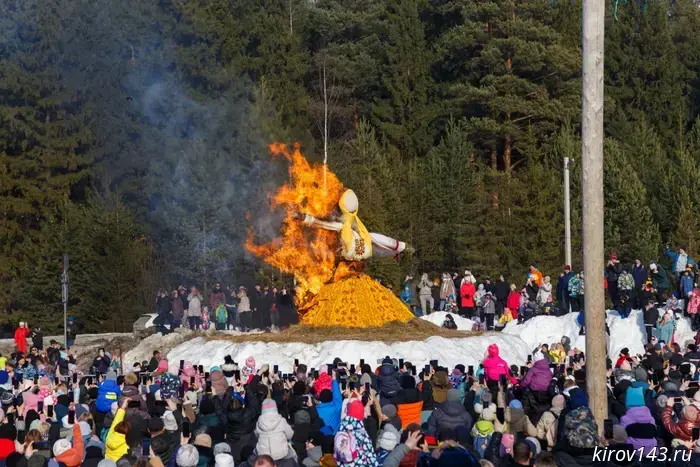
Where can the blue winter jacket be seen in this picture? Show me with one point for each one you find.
(563, 286)
(330, 412)
(107, 393)
(640, 275)
(686, 285)
(674, 257)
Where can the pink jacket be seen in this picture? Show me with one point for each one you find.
(495, 366)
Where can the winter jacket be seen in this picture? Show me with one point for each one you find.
(531, 290)
(221, 314)
(194, 309)
(406, 296)
(239, 423)
(448, 416)
(548, 424)
(101, 364)
(538, 377)
(502, 291)
(640, 427)
(107, 393)
(683, 429)
(563, 286)
(330, 412)
(686, 285)
(518, 422)
(679, 261)
(651, 316)
(625, 281)
(576, 287)
(612, 272)
(447, 289)
(513, 303)
(664, 330)
(21, 335)
(544, 293)
(244, 305)
(440, 384)
(216, 296)
(495, 366)
(640, 275)
(273, 434)
(466, 292)
(73, 457)
(177, 309)
(115, 443)
(163, 306)
(388, 381)
(659, 279)
(424, 287)
(489, 306)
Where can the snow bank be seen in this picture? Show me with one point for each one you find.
(467, 351)
(624, 332)
(437, 317)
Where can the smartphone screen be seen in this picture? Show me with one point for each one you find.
(400, 363)
(40, 406)
(71, 417)
(49, 411)
(191, 380)
(316, 374)
(208, 386)
(186, 429)
(352, 368)
(362, 362)
(608, 429)
(434, 363)
(182, 364)
(146, 450)
(481, 379)
(503, 380)
(529, 359)
(523, 370)
(181, 391)
(75, 378)
(413, 370)
(344, 384)
(367, 387)
(470, 370)
(36, 380)
(275, 369)
(296, 362)
(201, 369)
(206, 375)
(330, 370)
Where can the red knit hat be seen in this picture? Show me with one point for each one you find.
(567, 268)
(356, 410)
(613, 256)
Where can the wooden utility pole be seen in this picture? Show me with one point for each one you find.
(592, 194)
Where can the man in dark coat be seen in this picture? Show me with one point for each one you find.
(502, 289)
(563, 289)
(449, 415)
(640, 274)
(388, 381)
(163, 310)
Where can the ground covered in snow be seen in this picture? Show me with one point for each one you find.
(516, 341)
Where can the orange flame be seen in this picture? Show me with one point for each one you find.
(308, 253)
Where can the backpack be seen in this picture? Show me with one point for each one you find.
(553, 389)
(481, 442)
(345, 447)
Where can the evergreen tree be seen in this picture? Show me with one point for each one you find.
(511, 72)
(630, 229)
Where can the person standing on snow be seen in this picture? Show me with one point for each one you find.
(217, 296)
(680, 261)
(640, 274)
(563, 289)
(625, 285)
(659, 280)
(21, 334)
(612, 273)
(163, 308)
(447, 290)
(502, 291)
(194, 309)
(545, 291)
(466, 294)
(489, 310)
(425, 294)
(178, 311)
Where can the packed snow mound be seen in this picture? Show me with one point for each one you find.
(624, 332)
(144, 350)
(448, 352)
(437, 317)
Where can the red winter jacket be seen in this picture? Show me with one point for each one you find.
(21, 335)
(467, 291)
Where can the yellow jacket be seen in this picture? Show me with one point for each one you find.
(115, 444)
(559, 356)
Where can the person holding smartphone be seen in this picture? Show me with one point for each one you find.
(331, 406)
(116, 446)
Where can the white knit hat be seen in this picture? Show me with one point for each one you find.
(389, 438)
(187, 456)
(223, 460)
(61, 446)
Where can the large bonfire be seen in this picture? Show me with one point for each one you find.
(329, 292)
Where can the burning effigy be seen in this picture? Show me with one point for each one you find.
(324, 244)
